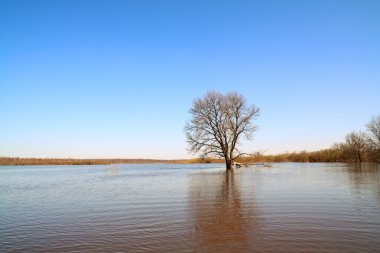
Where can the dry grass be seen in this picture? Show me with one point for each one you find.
(4, 161)
(56, 161)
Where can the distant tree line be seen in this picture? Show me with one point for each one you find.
(68, 161)
(357, 147)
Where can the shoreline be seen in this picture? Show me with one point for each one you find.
(19, 161)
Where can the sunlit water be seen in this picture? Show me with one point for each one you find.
(190, 208)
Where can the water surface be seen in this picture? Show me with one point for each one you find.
(190, 208)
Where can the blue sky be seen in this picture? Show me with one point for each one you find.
(114, 78)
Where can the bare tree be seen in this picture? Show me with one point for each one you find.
(356, 143)
(218, 121)
(373, 128)
(374, 131)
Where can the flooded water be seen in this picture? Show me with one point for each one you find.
(190, 208)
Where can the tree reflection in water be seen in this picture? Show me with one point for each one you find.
(222, 221)
(364, 178)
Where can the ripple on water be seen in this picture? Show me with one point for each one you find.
(190, 208)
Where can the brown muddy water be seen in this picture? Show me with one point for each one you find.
(190, 208)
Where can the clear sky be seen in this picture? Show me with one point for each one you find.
(103, 79)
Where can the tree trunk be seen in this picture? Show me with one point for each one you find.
(359, 157)
(228, 164)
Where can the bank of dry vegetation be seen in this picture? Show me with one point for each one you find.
(10, 161)
(69, 161)
(357, 147)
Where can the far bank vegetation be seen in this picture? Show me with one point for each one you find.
(357, 147)
(71, 161)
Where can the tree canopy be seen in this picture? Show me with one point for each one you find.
(217, 124)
